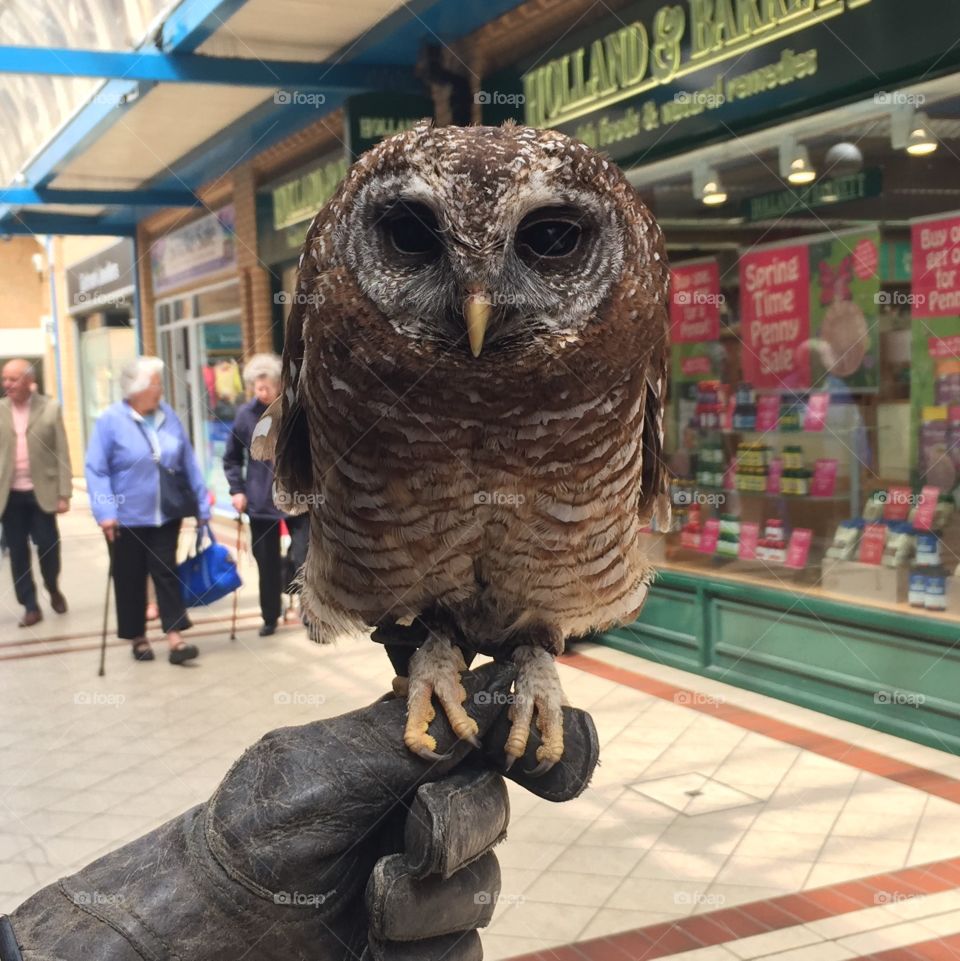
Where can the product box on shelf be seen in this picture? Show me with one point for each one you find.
(866, 582)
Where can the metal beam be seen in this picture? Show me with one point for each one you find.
(33, 196)
(35, 222)
(152, 65)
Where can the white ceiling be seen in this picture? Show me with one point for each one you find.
(171, 120)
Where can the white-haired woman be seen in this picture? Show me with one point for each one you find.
(143, 480)
(251, 485)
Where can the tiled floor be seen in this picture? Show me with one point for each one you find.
(711, 808)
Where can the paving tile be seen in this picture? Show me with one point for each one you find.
(567, 887)
(591, 859)
(895, 936)
(772, 942)
(942, 924)
(765, 872)
(852, 850)
(534, 919)
(687, 865)
(613, 920)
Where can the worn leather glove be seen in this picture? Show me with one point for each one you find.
(325, 842)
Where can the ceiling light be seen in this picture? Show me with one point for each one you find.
(910, 130)
(921, 140)
(707, 186)
(842, 158)
(795, 166)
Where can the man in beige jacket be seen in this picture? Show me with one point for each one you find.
(35, 485)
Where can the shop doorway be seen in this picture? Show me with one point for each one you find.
(201, 344)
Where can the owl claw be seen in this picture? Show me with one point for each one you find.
(509, 762)
(435, 670)
(537, 696)
(541, 768)
(429, 755)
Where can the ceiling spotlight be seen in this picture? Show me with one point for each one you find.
(795, 166)
(910, 130)
(921, 140)
(707, 186)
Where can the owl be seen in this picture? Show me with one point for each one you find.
(474, 377)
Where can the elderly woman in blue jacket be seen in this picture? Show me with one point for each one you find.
(134, 441)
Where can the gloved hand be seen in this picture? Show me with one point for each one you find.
(325, 842)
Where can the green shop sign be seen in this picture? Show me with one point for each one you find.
(823, 193)
(299, 199)
(285, 209)
(659, 78)
(373, 116)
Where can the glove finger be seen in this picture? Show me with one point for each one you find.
(462, 946)
(569, 777)
(401, 907)
(453, 822)
(322, 790)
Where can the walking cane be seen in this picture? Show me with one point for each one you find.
(236, 593)
(106, 612)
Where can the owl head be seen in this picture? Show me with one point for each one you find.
(489, 239)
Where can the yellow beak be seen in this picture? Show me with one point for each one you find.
(476, 309)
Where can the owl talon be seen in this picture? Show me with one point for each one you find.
(540, 769)
(537, 693)
(435, 669)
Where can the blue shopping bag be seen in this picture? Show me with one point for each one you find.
(209, 574)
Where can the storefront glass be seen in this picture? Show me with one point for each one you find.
(814, 413)
(203, 356)
(809, 202)
(200, 335)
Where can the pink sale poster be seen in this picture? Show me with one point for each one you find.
(775, 309)
(695, 300)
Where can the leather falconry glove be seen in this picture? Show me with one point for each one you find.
(326, 842)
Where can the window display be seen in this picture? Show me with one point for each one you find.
(813, 429)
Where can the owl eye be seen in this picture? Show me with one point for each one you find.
(412, 230)
(549, 233)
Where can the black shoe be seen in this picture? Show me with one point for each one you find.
(142, 651)
(185, 652)
(268, 629)
(31, 617)
(58, 602)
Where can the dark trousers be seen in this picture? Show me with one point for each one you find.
(265, 537)
(137, 552)
(22, 520)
